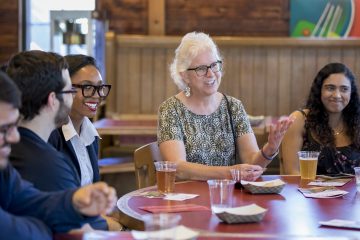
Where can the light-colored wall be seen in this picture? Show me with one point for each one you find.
(272, 76)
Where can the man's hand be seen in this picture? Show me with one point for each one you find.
(94, 199)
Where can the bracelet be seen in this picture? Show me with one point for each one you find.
(269, 157)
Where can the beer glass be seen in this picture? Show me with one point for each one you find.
(308, 164)
(165, 176)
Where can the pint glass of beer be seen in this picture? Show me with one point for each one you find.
(308, 164)
(165, 176)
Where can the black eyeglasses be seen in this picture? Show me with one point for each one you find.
(6, 130)
(203, 69)
(73, 91)
(89, 90)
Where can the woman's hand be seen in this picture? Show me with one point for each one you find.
(249, 172)
(276, 134)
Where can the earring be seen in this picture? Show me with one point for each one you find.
(187, 91)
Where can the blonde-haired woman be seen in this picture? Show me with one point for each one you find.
(203, 130)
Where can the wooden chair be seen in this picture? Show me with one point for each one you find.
(144, 158)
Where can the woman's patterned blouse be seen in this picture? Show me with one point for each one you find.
(208, 139)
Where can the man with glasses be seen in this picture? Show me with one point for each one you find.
(47, 96)
(78, 139)
(25, 212)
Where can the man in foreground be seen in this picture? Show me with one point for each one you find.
(47, 96)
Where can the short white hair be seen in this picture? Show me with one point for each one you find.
(191, 45)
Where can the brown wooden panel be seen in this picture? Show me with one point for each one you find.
(133, 79)
(147, 77)
(122, 80)
(356, 69)
(310, 69)
(272, 79)
(247, 75)
(217, 17)
(349, 57)
(156, 13)
(125, 16)
(322, 57)
(259, 78)
(284, 97)
(159, 80)
(228, 17)
(110, 54)
(297, 80)
(9, 22)
(171, 88)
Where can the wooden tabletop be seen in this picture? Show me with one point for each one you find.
(107, 126)
(289, 213)
(148, 126)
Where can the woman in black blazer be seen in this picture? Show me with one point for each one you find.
(79, 139)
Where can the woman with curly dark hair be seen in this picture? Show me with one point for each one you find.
(329, 123)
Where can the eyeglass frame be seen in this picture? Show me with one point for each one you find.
(72, 91)
(207, 68)
(96, 88)
(5, 129)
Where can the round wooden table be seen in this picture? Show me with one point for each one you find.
(289, 213)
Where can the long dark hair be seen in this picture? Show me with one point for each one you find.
(317, 119)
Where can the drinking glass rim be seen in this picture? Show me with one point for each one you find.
(228, 181)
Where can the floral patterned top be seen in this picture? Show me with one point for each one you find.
(208, 139)
(343, 160)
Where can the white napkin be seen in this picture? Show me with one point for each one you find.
(341, 223)
(322, 192)
(179, 196)
(180, 232)
(327, 184)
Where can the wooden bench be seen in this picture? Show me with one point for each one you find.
(116, 165)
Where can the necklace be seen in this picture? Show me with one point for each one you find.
(337, 132)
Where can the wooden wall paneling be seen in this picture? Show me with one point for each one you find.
(310, 69)
(335, 55)
(297, 78)
(356, 69)
(233, 82)
(122, 74)
(272, 81)
(159, 79)
(110, 61)
(228, 17)
(259, 78)
(9, 22)
(238, 53)
(284, 97)
(348, 57)
(227, 82)
(156, 13)
(171, 88)
(246, 76)
(133, 80)
(146, 80)
(125, 16)
(323, 58)
(272, 78)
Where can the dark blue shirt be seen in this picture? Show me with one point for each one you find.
(45, 167)
(27, 213)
